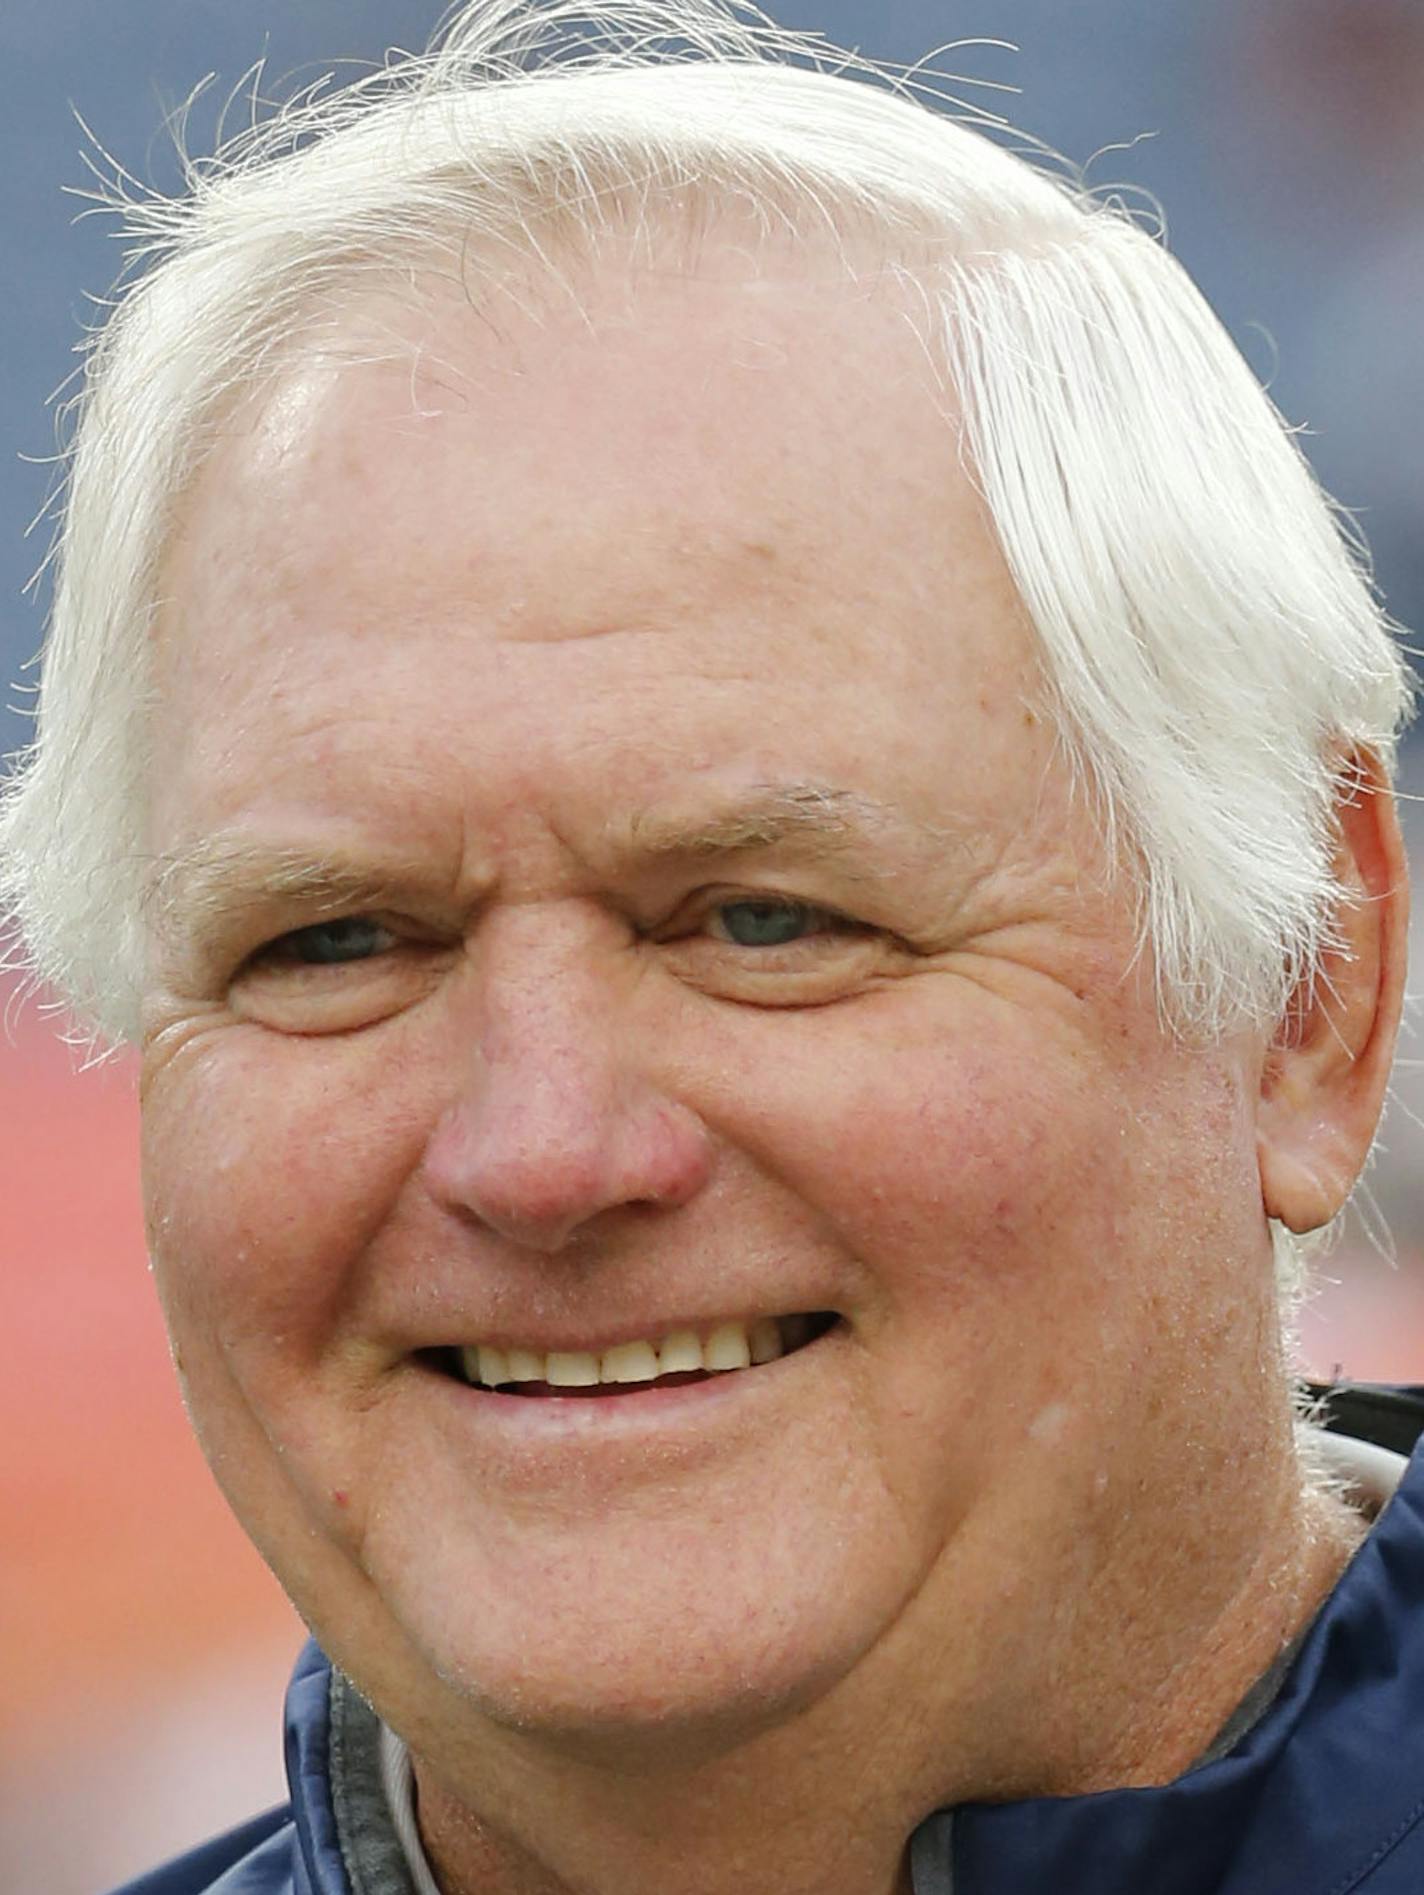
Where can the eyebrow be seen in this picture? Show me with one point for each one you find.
(202, 892)
(819, 819)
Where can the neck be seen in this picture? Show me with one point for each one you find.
(1315, 1534)
(794, 1817)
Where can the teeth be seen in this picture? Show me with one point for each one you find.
(629, 1362)
(729, 1346)
(576, 1369)
(680, 1353)
(493, 1367)
(765, 1340)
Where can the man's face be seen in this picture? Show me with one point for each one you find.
(637, 716)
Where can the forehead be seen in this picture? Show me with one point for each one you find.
(745, 405)
(743, 479)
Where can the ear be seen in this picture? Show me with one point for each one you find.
(1324, 1078)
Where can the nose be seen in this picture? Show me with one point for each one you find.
(555, 1125)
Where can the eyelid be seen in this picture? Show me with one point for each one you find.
(274, 988)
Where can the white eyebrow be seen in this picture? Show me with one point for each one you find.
(200, 892)
(819, 819)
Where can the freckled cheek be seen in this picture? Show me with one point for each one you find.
(265, 1180)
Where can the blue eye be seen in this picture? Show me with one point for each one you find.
(330, 943)
(766, 923)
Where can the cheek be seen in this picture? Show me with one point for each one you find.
(995, 1175)
(961, 1161)
(268, 1166)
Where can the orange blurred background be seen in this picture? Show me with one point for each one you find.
(146, 1646)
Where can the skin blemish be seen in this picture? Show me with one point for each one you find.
(1048, 1424)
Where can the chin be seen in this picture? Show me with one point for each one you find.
(596, 1715)
(633, 1685)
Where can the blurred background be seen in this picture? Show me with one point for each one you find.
(145, 1648)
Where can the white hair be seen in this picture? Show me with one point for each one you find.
(1209, 641)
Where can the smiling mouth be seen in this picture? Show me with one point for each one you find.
(675, 1360)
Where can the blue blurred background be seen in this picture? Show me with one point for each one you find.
(1283, 141)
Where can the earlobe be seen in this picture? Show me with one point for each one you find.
(1324, 1078)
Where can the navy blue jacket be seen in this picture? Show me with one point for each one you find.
(1324, 1796)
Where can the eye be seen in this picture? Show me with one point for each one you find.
(340, 975)
(333, 943)
(771, 923)
(764, 949)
